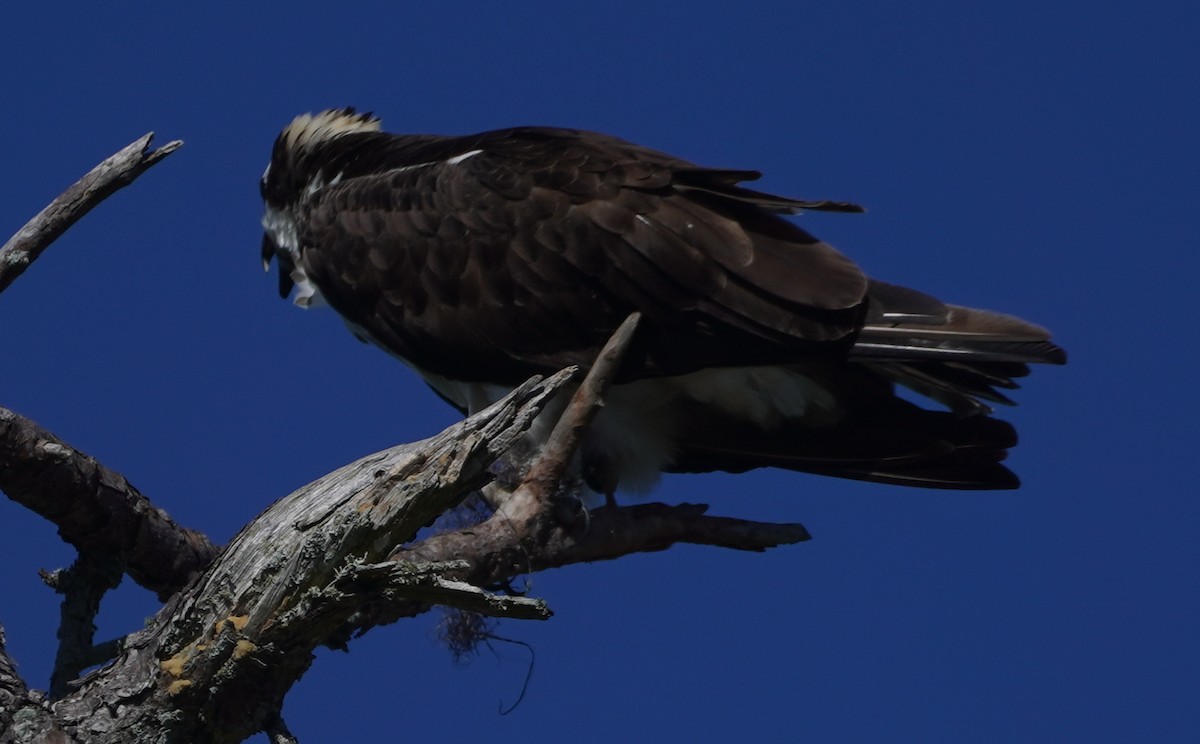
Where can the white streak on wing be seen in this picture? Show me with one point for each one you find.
(406, 168)
(642, 219)
(459, 158)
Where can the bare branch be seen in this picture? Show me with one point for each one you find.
(82, 585)
(95, 508)
(114, 173)
(547, 470)
(426, 583)
(498, 549)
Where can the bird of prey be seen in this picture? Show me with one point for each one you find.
(481, 260)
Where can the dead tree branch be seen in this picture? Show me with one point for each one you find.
(498, 550)
(546, 472)
(82, 585)
(216, 662)
(95, 508)
(114, 173)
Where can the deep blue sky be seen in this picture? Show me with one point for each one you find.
(1039, 158)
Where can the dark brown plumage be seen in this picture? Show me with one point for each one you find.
(487, 258)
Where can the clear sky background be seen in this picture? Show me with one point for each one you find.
(1038, 158)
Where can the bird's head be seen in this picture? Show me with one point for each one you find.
(304, 149)
(302, 154)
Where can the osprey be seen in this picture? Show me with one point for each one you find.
(481, 260)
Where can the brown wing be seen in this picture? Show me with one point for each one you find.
(525, 256)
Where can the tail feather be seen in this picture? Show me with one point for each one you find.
(898, 443)
(958, 356)
(959, 471)
(960, 388)
(905, 325)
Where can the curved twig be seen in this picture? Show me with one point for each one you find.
(114, 173)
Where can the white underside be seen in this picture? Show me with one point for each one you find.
(634, 433)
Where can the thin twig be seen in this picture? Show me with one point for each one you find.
(114, 173)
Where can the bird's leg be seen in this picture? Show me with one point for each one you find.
(600, 476)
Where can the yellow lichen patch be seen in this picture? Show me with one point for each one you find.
(174, 665)
(237, 621)
(178, 686)
(242, 648)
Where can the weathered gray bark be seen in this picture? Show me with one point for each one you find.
(216, 662)
(118, 171)
(336, 557)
